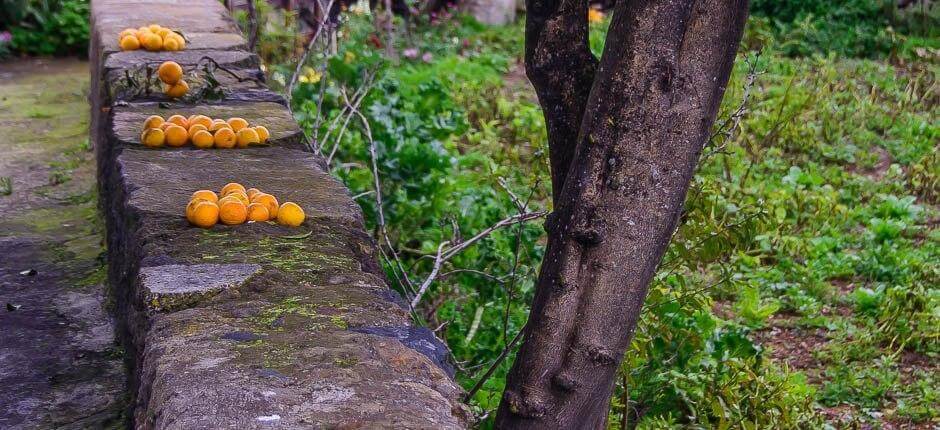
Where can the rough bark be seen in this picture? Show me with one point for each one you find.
(623, 154)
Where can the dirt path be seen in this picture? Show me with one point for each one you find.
(59, 365)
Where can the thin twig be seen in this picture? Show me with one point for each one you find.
(432, 276)
(496, 363)
(303, 58)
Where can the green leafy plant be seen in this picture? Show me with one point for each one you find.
(48, 27)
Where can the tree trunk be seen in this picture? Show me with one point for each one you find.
(625, 135)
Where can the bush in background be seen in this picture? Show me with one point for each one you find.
(45, 27)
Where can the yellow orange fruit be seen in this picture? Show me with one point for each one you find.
(232, 212)
(258, 212)
(205, 214)
(240, 196)
(231, 187)
(252, 192)
(176, 136)
(237, 123)
(263, 133)
(152, 42)
(290, 214)
(202, 139)
(218, 125)
(247, 136)
(170, 72)
(154, 27)
(178, 38)
(153, 121)
(127, 32)
(205, 195)
(152, 138)
(176, 90)
(129, 43)
(141, 34)
(225, 138)
(192, 206)
(170, 44)
(201, 120)
(268, 201)
(193, 128)
(179, 120)
(162, 31)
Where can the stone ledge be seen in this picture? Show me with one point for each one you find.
(257, 325)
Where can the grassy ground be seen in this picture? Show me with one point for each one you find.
(801, 289)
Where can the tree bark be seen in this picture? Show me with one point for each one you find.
(623, 153)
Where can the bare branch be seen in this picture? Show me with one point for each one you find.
(321, 24)
(431, 277)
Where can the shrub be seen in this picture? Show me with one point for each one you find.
(47, 27)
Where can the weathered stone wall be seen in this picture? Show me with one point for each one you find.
(257, 325)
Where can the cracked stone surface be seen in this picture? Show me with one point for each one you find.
(177, 286)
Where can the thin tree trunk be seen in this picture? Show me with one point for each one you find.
(623, 154)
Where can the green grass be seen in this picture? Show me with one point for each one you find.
(817, 215)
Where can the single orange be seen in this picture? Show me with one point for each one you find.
(263, 133)
(202, 139)
(258, 212)
(153, 121)
(170, 72)
(290, 214)
(225, 138)
(152, 138)
(205, 215)
(176, 90)
(232, 186)
(247, 136)
(237, 123)
(205, 194)
(233, 212)
(179, 120)
(176, 136)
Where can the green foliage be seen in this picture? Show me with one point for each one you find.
(852, 28)
(816, 210)
(46, 27)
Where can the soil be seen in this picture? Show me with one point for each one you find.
(59, 364)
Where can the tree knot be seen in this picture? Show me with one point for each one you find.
(565, 382)
(518, 405)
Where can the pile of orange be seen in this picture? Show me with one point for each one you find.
(152, 38)
(238, 205)
(202, 132)
(171, 74)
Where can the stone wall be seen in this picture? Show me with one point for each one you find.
(256, 325)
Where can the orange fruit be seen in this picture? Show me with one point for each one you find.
(218, 125)
(142, 32)
(232, 186)
(176, 90)
(193, 128)
(179, 120)
(225, 138)
(176, 136)
(269, 201)
(290, 214)
(200, 120)
(205, 214)
(252, 192)
(191, 206)
(152, 138)
(237, 123)
(247, 136)
(232, 212)
(206, 195)
(179, 40)
(129, 43)
(202, 139)
(170, 72)
(258, 212)
(152, 42)
(240, 196)
(153, 121)
(170, 44)
(263, 133)
(154, 27)
(127, 32)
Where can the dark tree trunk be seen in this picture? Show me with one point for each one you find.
(625, 135)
